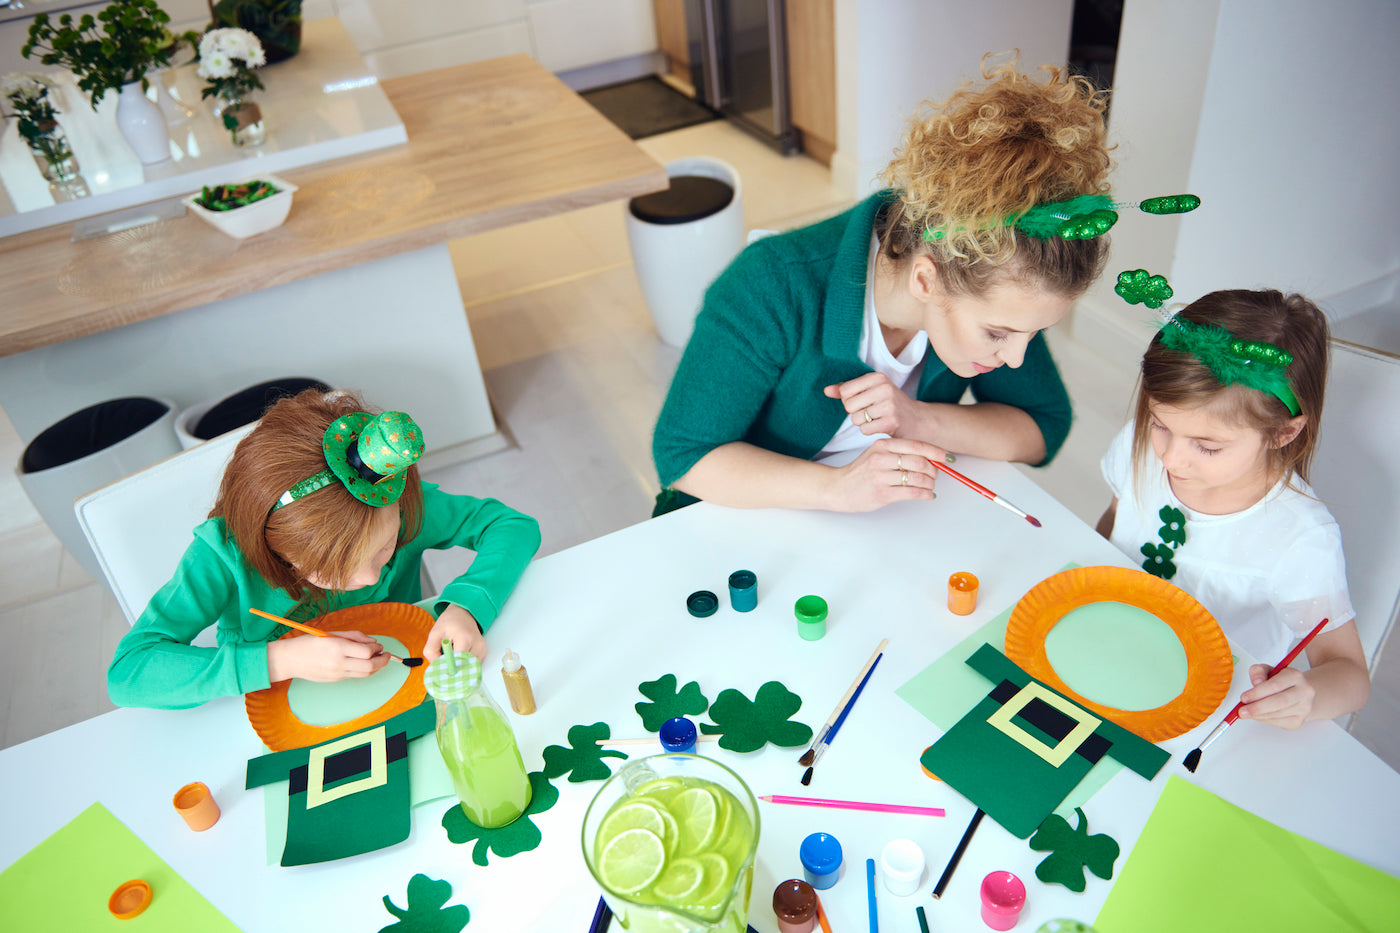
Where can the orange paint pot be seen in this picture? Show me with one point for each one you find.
(130, 899)
(962, 593)
(197, 806)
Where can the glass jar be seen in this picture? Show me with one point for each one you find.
(242, 117)
(477, 743)
(52, 154)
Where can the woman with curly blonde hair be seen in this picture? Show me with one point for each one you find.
(828, 363)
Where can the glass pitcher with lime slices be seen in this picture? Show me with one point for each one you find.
(671, 840)
(477, 743)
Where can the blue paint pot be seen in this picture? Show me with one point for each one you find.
(821, 860)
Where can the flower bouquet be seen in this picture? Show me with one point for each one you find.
(227, 58)
(28, 94)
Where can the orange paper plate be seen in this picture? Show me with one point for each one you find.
(270, 714)
(1209, 668)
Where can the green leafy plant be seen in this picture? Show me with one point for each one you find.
(426, 911)
(119, 46)
(229, 197)
(276, 22)
(37, 118)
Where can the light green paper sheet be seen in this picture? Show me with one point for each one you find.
(1203, 864)
(63, 883)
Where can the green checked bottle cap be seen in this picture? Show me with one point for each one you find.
(452, 676)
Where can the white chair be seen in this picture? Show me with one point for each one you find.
(1356, 472)
(138, 527)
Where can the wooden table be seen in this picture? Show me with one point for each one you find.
(355, 288)
(592, 622)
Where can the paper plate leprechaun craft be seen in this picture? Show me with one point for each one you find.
(367, 454)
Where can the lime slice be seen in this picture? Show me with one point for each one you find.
(637, 814)
(672, 834)
(698, 816)
(658, 786)
(631, 861)
(717, 880)
(679, 882)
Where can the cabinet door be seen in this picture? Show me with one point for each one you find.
(671, 36)
(811, 43)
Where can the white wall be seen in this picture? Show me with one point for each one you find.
(1281, 116)
(894, 54)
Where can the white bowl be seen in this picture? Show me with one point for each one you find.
(250, 219)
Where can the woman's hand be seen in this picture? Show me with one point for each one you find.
(459, 625)
(1284, 700)
(876, 405)
(324, 660)
(889, 470)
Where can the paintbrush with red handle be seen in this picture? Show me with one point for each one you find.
(1194, 759)
(979, 488)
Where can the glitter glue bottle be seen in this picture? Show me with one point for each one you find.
(476, 742)
(522, 698)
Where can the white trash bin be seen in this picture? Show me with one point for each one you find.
(682, 238)
(231, 412)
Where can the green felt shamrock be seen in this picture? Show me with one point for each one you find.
(1137, 286)
(745, 725)
(1159, 561)
(667, 703)
(1173, 530)
(583, 759)
(1071, 850)
(425, 912)
(511, 839)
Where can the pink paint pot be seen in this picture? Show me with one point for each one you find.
(1003, 896)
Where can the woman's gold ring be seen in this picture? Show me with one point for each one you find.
(904, 480)
(868, 419)
(899, 462)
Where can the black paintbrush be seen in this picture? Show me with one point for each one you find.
(831, 736)
(809, 756)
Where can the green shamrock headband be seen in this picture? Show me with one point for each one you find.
(368, 454)
(1085, 216)
(1251, 363)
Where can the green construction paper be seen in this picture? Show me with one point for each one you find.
(668, 703)
(745, 725)
(329, 704)
(582, 760)
(520, 835)
(1014, 786)
(1071, 850)
(428, 780)
(1204, 864)
(426, 912)
(1118, 655)
(63, 883)
(372, 818)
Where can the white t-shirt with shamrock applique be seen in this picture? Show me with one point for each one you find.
(1268, 573)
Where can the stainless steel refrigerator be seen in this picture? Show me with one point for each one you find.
(738, 54)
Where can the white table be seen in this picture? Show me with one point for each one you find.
(592, 622)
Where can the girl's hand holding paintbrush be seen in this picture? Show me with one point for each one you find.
(325, 659)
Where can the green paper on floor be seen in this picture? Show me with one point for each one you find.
(667, 702)
(1204, 864)
(520, 835)
(426, 909)
(63, 883)
(582, 758)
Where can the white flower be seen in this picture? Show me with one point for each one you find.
(237, 44)
(216, 65)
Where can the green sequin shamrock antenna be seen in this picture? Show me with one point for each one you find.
(1137, 286)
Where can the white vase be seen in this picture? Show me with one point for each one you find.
(142, 124)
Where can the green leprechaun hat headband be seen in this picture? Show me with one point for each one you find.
(368, 454)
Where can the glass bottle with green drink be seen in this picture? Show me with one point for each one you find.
(671, 841)
(477, 743)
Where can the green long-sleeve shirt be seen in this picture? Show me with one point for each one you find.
(156, 666)
(783, 321)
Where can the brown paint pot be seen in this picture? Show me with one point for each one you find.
(197, 806)
(795, 906)
(962, 593)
